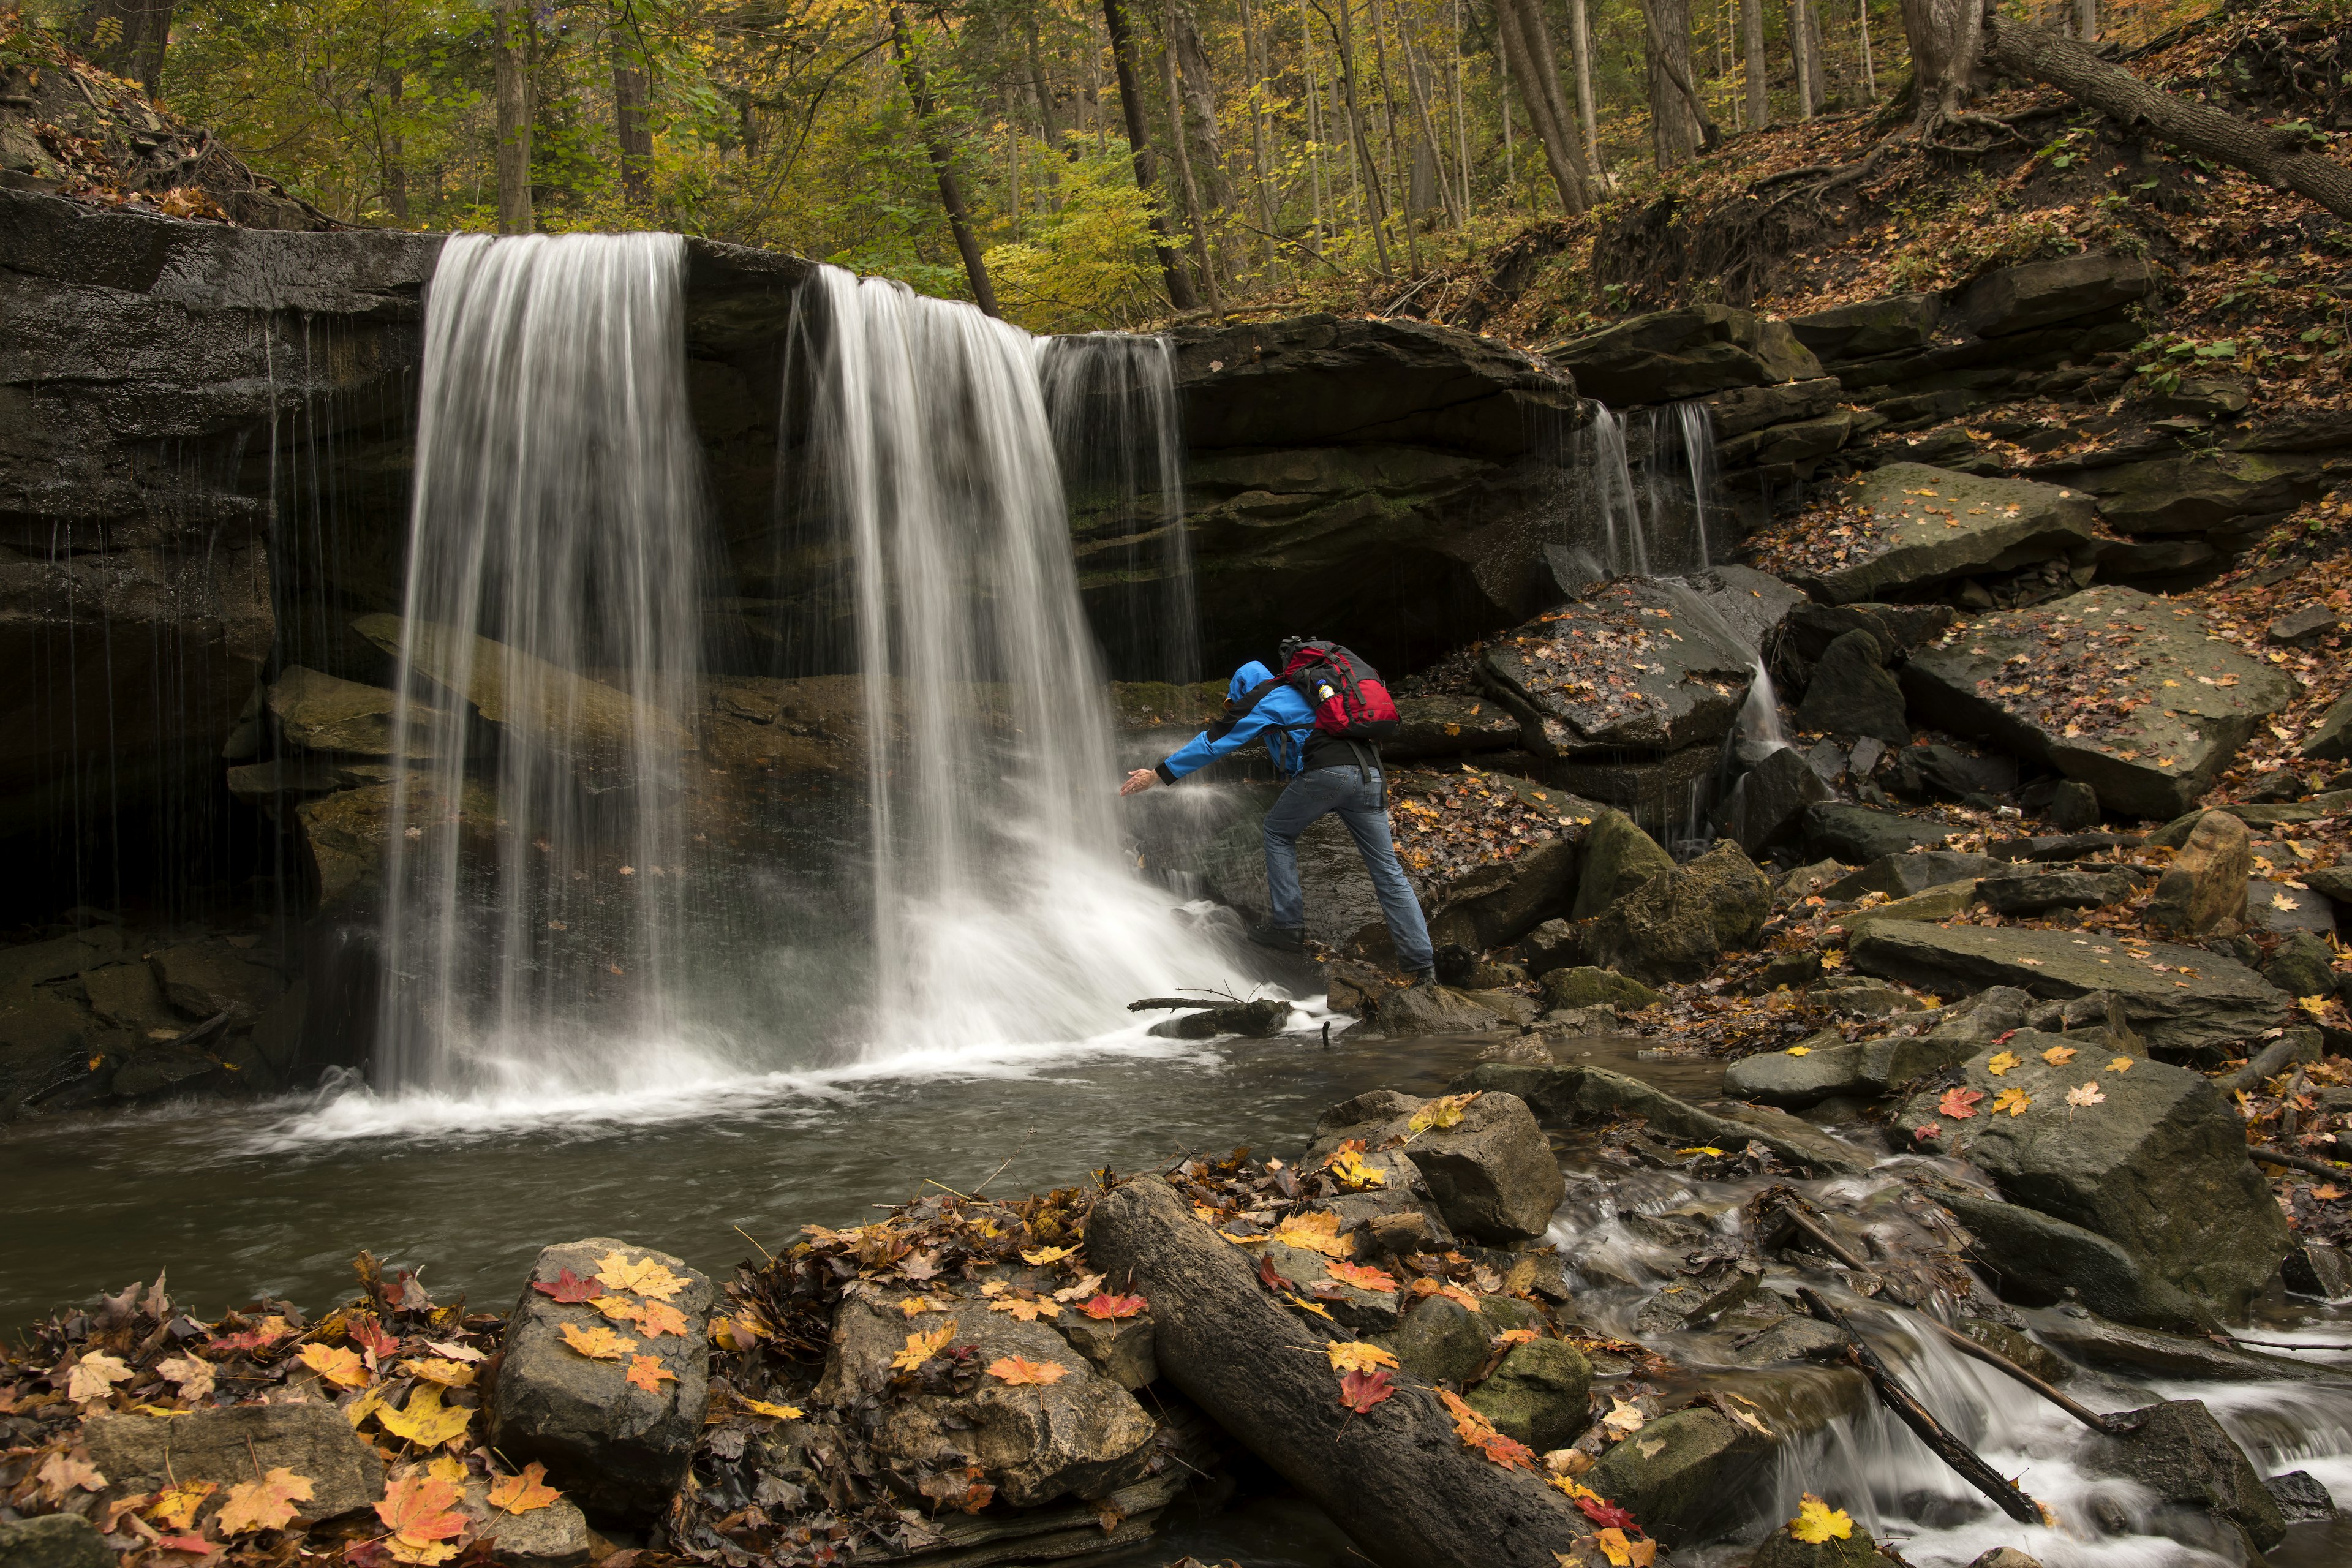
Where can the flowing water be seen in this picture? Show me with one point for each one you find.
(1649, 479)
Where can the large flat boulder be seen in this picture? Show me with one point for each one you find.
(1444, 726)
(2180, 999)
(2155, 1163)
(141, 1453)
(2222, 495)
(2131, 694)
(1690, 351)
(1572, 1093)
(616, 1446)
(1871, 327)
(2040, 1260)
(1676, 925)
(1859, 834)
(320, 712)
(1905, 527)
(1632, 665)
(2043, 293)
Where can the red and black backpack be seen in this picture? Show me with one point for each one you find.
(1346, 693)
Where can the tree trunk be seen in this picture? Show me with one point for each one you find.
(1398, 1480)
(1678, 117)
(1200, 86)
(1194, 216)
(1399, 198)
(1588, 102)
(512, 81)
(935, 142)
(1756, 69)
(2086, 21)
(1046, 125)
(1429, 132)
(389, 87)
(1808, 63)
(2278, 158)
(1376, 219)
(1869, 68)
(132, 46)
(1254, 49)
(1138, 146)
(1529, 59)
(632, 125)
(1946, 39)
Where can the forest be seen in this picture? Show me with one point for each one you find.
(1071, 164)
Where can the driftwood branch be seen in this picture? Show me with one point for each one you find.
(2280, 159)
(2263, 1155)
(2000, 1363)
(1821, 1237)
(1966, 1461)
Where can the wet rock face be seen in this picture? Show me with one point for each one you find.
(145, 1452)
(1631, 666)
(616, 1446)
(1679, 1475)
(1537, 1395)
(2125, 692)
(2156, 1165)
(1676, 926)
(2182, 1452)
(2039, 1260)
(1916, 526)
(1491, 1175)
(1852, 694)
(1668, 355)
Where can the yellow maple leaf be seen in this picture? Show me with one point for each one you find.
(1816, 1521)
(619, 1309)
(1315, 1307)
(2013, 1100)
(1624, 1553)
(425, 1421)
(773, 1412)
(1314, 1233)
(916, 1305)
(647, 1373)
(1356, 1356)
(2059, 1056)
(1441, 1114)
(1800, 1050)
(447, 1374)
(645, 1276)
(1046, 1254)
(1026, 1308)
(2120, 1064)
(922, 1347)
(2002, 1064)
(522, 1493)
(1834, 958)
(176, 1505)
(1347, 1167)
(599, 1343)
(266, 1504)
(338, 1366)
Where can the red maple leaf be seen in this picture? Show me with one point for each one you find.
(568, 1286)
(1959, 1104)
(1360, 1391)
(1270, 1277)
(1508, 1452)
(1109, 1308)
(368, 1334)
(1606, 1514)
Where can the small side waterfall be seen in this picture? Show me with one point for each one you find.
(1112, 402)
(1004, 911)
(1650, 480)
(547, 649)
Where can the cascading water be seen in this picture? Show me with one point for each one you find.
(1111, 399)
(1004, 912)
(1649, 476)
(548, 651)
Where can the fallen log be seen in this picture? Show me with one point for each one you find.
(1398, 1479)
(2105, 1424)
(2281, 159)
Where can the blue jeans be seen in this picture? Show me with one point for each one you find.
(1360, 804)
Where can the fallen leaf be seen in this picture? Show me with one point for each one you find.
(338, 1366)
(1360, 1391)
(1817, 1522)
(1624, 1553)
(65, 1472)
(659, 1318)
(1314, 1233)
(2121, 1063)
(2059, 1056)
(1362, 1277)
(95, 1376)
(1800, 1050)
(1013, 1370)
(773, 1412)
(648, 1373)
(620, 1309)
(1441, 1114)
(599, 1343)
(175, 1506)
(1959, 1104)
(568, 1288)
(1347, 1168)
(2013, 1100)
(647, 1277)
(368, 1335)
(1604, 1512)
(2087, 1095)
(193, 1377)
(1930, 1130)
(2328, 1192)
(447, 1374)
(1025, 1307)
(266, 1504)
(1356, 1355)
(1106, 1308)
(261, 1336)
(425, 1421)
(1046, 1254)
(418, 1508)
(1315, 1307)
(522, 1493)
(2001, 1063)
(922, 1347)
(1624, 1419)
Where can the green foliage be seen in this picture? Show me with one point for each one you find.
(1088, 263)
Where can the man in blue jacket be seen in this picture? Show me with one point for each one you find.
(1328, 774)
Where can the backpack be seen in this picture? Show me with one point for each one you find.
(1347, 694)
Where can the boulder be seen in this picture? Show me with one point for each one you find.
(1676, 926)
(1432, 1010)
(1572, 1093)
(1937, 903)
(139, 1453)
(1916, 527)
(2182, 999)
(2223, 496)
(2042, 293)
(556, 1536)
(2027, 889)
(1537, 1395)
(1851, 693)
(1900, 875)
(2039, 1260)
(1681, 1475)
(1497, 902)
(2156, 704)
(2287, 912)
(2302, 1497)
(53, 1541)
(1874, 327)
(2073, 807)
(1854, 1550)
(1441, 1342)
(1633, 665)
(2181, 1454)
(1745, 410)
(2305, 627)
(1082, 1434)
(1899, 628)
(619, 1449)
(1445, 726)
(2206, 882)
(2303, 965)
(2159, 1166)
(318, 712)
(1259, 1020)
(1669, 356)
(2330, 740)
(1585, 986)
(1767, 804)
(1943, 772)
(1857, 835)
(1804, 1075)
(204, 979)
(1491, 1174)
(1618, 858)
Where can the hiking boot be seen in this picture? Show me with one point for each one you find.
(1421, 977)
(1284, 939)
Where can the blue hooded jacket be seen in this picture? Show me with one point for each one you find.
(1282, 716)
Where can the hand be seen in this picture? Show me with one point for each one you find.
(1139, 781)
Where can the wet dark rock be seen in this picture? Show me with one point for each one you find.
(1873, 327)
(1669, 356)
(615, 1447)
(2018, 1348)
(1767, 804)
(204, 979)
(2050, 848)
(1441, 1340)
(1680, 1475)
(1260, 1020)
(2029, 890)
(53, 1541)
(1900, 875)
(2179, 1452)
(1931, 525)
(1585, 986)
(1433, 1010)
(2302, 1497)
(556, 1536)
(1743, 410)
(1554, 944)
(2332, 741)
(1572, 1093)
(2085, 1337)
(2159, 1166)
(1603, 675)
(1899, 628)
(1118, 1348)
(2042, 293)
(1491, 1174)
(1445, 726)
(2316, 1269)
(1858, 835)
(1618, 858)
(2288, 913)
(1697, 1297)
(1676, 926)
(2005, 1557)
(2205, 884)
(1851, 693)
(1793, 1338)
(139, 1453)
(1537, 1395)
(2222, 495)
(2039, 1260)
(2197, 1000)
(2303, 628)
(319, 712)
(1782, 1550)
(1941, 773)
(1496, 903)
(2073, 807)
(2303, 965)
(2200, 697)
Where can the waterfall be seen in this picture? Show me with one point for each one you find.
(547, 650)
(1111, 399)
(1004, 912)
(1650, 482)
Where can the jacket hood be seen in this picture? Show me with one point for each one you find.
(1247, 678)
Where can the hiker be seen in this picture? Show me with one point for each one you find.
(1321, 719)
